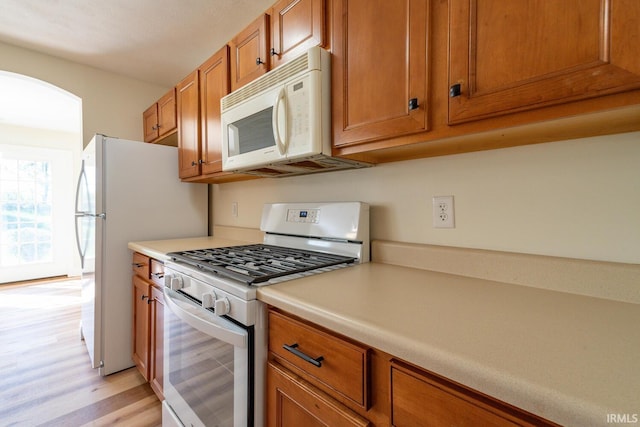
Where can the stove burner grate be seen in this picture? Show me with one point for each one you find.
(258, 263)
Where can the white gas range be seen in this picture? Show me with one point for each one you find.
(215, 330)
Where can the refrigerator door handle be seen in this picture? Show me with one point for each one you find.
(91, 215)
(80, 214)
(80, 179)
(79, 246)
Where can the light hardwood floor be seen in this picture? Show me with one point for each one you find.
(45, 373)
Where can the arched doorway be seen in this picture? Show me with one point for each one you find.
(40, 143)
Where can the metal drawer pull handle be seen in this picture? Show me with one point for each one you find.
(293, 348)
(137, 264)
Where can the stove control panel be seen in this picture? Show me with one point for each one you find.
(310, 216)
(346, 221)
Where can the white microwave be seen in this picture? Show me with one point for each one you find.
(280, 123)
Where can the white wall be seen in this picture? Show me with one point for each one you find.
(577, 199)
(112, 104)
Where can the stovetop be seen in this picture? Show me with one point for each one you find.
(258, 263)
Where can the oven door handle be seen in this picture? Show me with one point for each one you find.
(207, 323)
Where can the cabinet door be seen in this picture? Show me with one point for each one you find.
(141, 293)
(516, 55)
(157, 342)
(188, 103)
(150, 123)
(167, 113)
(214, 84)
(379, 69)
(292, 402)
(250, 53)
(296, 25)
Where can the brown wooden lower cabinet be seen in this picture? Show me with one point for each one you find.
(156, 343)
(141, 291)
(343, 367)
(148, 319)
(293, 402)
(398, 393)
(419, 398)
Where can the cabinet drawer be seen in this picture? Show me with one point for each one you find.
(140, 265)
(420, 398)
(157, 272)
(340, 366)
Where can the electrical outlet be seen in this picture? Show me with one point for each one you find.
(234, 209)
(443, 213)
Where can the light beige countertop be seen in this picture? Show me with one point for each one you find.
(224, 236)
(159, 249)
(567, 357)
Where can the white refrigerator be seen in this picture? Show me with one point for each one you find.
(126, 191)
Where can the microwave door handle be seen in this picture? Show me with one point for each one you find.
(280, 142)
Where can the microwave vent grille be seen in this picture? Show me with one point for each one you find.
(280, 74)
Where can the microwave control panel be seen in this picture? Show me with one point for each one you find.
(299, 104)
(311, 216)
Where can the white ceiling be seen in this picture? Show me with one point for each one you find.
(158, 41)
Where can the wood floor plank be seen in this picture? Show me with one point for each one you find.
(104, 407)
(145, 412)
(45, 372)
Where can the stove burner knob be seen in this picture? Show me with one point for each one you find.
(208, 300)
(222, 306)
(176, 283)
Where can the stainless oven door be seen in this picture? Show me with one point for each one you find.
(207, 366)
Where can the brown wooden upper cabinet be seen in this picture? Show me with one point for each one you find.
(296, 25)
(199, 121)
(188, 108)
(514, 56)
(214, 84)
(420, 78)
(160, 118)
(292, 27)
(150, 123)
(250, 55)
(379, 69)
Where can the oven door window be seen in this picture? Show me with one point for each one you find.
(206, 376)
(251, 133)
